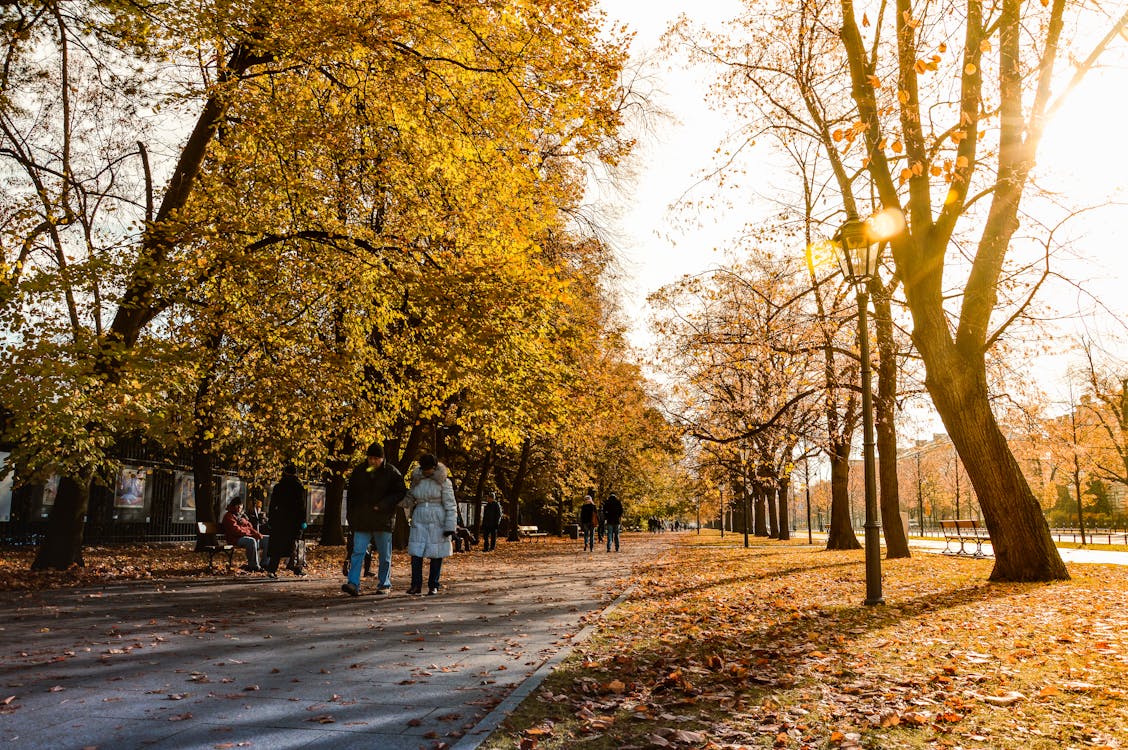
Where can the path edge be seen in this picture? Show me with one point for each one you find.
(485, 728)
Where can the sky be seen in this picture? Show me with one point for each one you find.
(1084, 155)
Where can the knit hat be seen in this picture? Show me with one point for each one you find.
(428, 461)
(376, 451)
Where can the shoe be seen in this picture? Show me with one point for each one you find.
(249, 569)
(432, 592)
(368, 574)
(414, 592)
(300, 572)
(349, 589)
(271, 574)
(383, 592)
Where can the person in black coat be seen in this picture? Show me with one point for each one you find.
(613, 513)
(491, 521)
(287, 519)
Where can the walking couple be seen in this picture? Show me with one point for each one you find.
(376, 489)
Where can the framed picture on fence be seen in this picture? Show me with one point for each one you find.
(183, 497)
(5, 490)
(131, 488)
(317, 500)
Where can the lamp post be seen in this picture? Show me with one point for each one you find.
(859, 241)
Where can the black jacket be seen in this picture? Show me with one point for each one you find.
(588, 514)
(287, 514)
(613, 510)
(373, 497)
(491, 516)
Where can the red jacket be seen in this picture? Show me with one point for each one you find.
(236, 527)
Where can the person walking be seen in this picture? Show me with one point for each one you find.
(613, 513)
(287, 519)
(491, 520)
(239, 532)
(589, 517)
(433, 521)
(375, 489)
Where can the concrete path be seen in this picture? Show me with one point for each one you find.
(294, 663)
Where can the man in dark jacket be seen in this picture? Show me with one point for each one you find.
(287, 519)
(375, 489)
(613, 511)
(491, 520)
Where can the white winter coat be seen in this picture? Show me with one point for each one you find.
(431, 502)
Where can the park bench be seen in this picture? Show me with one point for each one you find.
(530, 531)
(210, 543)
(964, 531)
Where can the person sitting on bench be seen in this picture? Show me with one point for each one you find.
(463, 539)
(239, 532)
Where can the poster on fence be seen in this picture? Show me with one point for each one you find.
(183, 497)
(47, 493)
(5, 490)
(229, 489)
(316, 500)
(132, 494)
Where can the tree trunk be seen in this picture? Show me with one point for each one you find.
(1020, 536)
(784, 511)
(514, 496)
(841, 534)
(339, 465)
(62, 545)
(759, 515)
(773, 513)
(885, 404)
(203, 483)
(480, 490)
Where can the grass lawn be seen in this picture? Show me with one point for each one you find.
(722, 647)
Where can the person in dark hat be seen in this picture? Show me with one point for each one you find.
(613, 513)
(287, 519)
(375, 489)
(491, 522)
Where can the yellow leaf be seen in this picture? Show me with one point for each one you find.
(837, 135)
(985, 45)
(935, 170)
(961, 162)
(1048, 691)
(970, 69)
(920, 66)
(897, 147)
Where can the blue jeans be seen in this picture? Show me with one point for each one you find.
(612, 536)
(433, 571)
(253, 547)
(383, 543)
(361, 540)
(589, 536)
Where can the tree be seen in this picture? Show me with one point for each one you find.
(457, 124)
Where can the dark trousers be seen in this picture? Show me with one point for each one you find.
(489, 539)
(433, 571)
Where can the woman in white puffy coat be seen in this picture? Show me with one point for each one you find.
(433, 520)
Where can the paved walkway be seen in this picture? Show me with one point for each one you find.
(294, 663)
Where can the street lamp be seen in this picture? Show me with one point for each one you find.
(860, 242)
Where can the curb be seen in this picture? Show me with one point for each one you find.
(491, 721)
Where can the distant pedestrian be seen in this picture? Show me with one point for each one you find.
(602, 517)
(239, 532)
(433, 521)
(375, 489)
(491, 521)
(589, 517)
(613, 514)
(287, 519)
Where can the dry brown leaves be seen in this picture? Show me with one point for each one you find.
(721, 647)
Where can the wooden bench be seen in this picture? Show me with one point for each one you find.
(530, 531)
(965, 531)
(209, 542)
